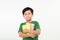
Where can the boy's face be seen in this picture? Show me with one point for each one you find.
(28, 15)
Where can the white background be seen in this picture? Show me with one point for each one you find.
(46, 12)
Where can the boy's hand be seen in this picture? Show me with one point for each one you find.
(36, 32)
(31, 31)
(32, 35)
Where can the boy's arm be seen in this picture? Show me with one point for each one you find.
(26, 35)
(23, 35)
(36, 32)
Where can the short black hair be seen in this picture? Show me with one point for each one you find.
(26, 9)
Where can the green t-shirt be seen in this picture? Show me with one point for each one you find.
(36, 26)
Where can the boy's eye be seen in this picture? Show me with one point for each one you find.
(28, 13)
(25, 14)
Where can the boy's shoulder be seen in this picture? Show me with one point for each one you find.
(35, 21)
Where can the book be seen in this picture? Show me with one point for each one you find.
(27, 26)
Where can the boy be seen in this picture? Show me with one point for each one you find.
(29, 30)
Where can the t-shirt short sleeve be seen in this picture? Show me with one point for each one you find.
(20, 28)
(37, 26)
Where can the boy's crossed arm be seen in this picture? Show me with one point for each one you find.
(26, 35)
(32, 34)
